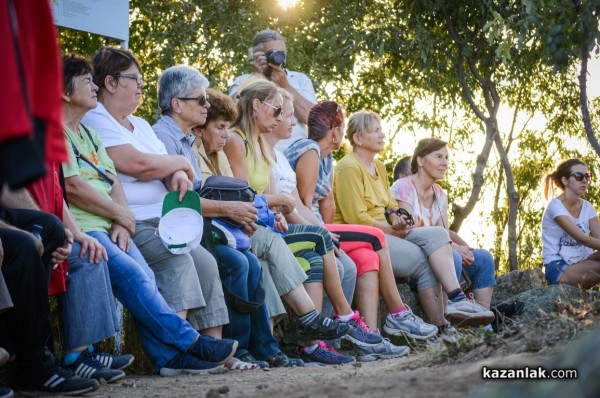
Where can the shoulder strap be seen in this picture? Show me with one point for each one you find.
(239, 132)
(90, 137)
(78, 155)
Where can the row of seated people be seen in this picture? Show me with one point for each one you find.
(199, 310)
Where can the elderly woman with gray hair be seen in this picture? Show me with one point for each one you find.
(189, 282)
(184, 105)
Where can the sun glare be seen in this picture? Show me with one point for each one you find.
(285, 4)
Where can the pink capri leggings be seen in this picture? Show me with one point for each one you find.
(361, 243)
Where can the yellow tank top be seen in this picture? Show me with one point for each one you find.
(258, 172)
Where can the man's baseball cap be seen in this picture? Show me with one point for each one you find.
(181, 225)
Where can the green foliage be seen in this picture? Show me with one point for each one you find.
(399, 58)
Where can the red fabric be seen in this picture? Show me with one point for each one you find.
(48, 194)
(38, 45)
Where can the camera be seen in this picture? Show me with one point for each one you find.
(276, 58)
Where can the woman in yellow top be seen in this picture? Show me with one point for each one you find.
(260, 110)
(362, 196)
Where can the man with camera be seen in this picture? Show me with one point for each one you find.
(268, 54)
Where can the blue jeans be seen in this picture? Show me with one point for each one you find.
(164, 334)
(87, 307)
(481, 271)
(240, 273)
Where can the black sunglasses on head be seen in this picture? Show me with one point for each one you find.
(579, 176)
(203, 99)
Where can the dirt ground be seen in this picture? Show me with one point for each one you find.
(433, 370)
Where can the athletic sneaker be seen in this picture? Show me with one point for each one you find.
(467, 312)
(321, 327)
(116, 362)
(406, 323)
(88, 367)
(327, 355)
(449, 334)
(383, 350)
(210, 349)
(51, 379)
(360, 334)
(185, 363)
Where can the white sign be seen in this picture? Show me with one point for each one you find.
(102, 17)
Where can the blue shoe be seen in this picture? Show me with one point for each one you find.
(115, 362)
(213, 350)
(6, 392)
(360, 334)
(52, 379)
(185, 363)
(89, 368)
(327, 355)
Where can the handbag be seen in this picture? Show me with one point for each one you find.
(227, 189)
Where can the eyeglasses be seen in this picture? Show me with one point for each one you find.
(203, 99)
(579, 176)
(139, 79)
(277, 109)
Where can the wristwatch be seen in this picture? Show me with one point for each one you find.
(388, 213)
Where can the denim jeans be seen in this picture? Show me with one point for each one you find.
(481, 271)
(164, 334)
(88, 314)
(240, 273)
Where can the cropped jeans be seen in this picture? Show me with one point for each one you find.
(241, 275)
(163, 333)
(481, 271)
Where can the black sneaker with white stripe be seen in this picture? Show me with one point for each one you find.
(52, 379)
(88, 367)
(115, 362)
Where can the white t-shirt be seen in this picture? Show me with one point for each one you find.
(303, 85)
(144, 197)
(558, 244)
(285, 177)
(405, 190)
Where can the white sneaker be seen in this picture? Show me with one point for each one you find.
(467, 313)
(383, 350)
(406, 323)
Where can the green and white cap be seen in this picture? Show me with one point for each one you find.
(181, 224)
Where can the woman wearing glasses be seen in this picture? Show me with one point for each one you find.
(189, 282)
(184, 104)
(260, 106)
(569, 253)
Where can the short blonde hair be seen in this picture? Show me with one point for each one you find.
(362, 121)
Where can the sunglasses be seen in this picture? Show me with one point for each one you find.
(579, 176)
(203, 99)
(277, 109)
(139, 79)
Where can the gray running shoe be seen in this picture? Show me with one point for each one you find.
(408, 324)
(383, 350)
(468, 313)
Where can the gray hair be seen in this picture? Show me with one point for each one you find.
(264, 36)
(178, 81)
